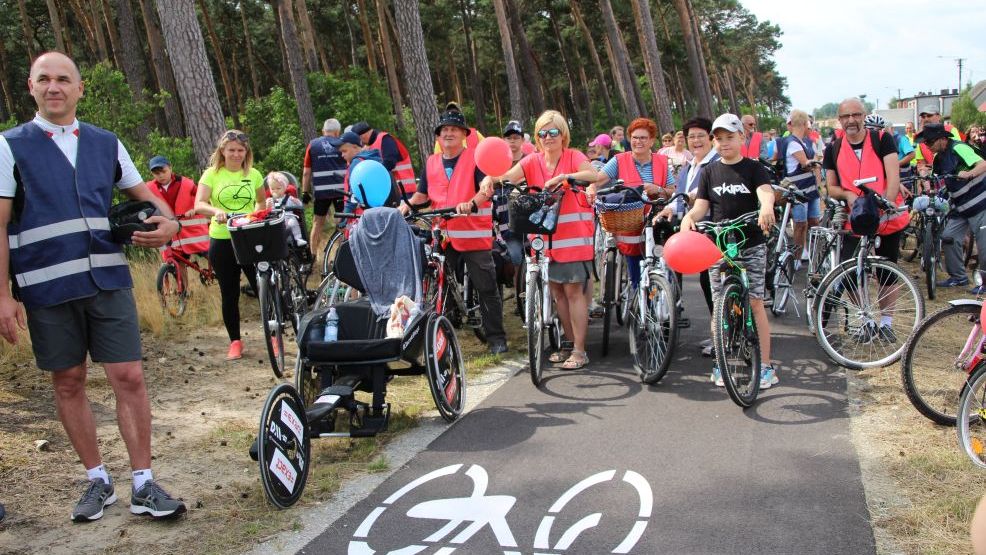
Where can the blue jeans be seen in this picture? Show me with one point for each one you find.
(633, 268)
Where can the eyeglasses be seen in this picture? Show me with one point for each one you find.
(697, 137)
(553, 133)
(644, 138)
(236, 136)
(854, 115)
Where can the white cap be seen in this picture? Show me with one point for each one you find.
(729, 122)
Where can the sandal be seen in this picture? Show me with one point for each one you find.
(578, 360)
(563, 354)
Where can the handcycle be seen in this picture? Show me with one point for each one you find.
(652, 322)
(329, 375)
(779, 275)
(172, 287)
(858, 292)
(734, 333)
(281, 279)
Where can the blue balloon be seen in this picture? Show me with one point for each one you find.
(369, 177)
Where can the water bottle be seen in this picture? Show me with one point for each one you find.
(550, 218)
(331, 326)
(536, 216)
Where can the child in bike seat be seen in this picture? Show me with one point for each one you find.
(279, 199)
(731, 187)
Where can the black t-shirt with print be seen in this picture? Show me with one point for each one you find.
(888, 145)
(731, 190)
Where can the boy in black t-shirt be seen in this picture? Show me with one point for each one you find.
(731, 187)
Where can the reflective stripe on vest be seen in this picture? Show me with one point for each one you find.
(572, 240)
(328, 168)
(64, 269)
(403, 171)
(473, 232)
(52, 231)
(850, 168)
(192, 227)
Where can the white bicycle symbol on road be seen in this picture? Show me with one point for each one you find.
(480, 510)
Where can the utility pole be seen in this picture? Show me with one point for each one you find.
(959, 62)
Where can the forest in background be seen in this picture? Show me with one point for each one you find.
(168, 76)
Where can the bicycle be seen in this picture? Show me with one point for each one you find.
(652, 322)
(613, 293)
(172, 287)
(933, 207)
(734, 334)
(971, 417)
(824, 248)
(846, 310)
(780, 258)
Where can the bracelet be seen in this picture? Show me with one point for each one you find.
(475, 206)
(177, 221)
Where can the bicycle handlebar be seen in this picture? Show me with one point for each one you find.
(790, 192)
(881, 201)
(717, 227)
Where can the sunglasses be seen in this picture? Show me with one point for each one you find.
(854, 115)
(553, 133)
(235, 136)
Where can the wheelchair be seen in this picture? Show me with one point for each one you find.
(328, 376)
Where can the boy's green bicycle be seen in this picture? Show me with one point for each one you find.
(734, 330)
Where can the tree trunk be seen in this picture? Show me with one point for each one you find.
(307, 34)
(596, 62)
(28, 31)
(417, 74)
(700, 47)
(701, 92)
(132, 64)
(197, 86)
(517, 109)
(8, 100)
(620, 60)
(278, 28)
(390, 62)
(251, 64)
(217, 51)
(474, 75)
(56, 26)
(531, 73)
(731, 90)
(655, 70)
(112, 33)
(364, 23)
(575, 91)
(97, 29)
(296, 67)
(84, 20)
(164, 74)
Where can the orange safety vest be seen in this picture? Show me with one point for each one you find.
(851, 168)
(403, 172)
(753, 149)
(572, 240)
(467, 233)
(626, 169)
(194, 235)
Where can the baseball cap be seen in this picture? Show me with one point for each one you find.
(351, 138)
(729, 122)
(361, 127)
(930, 109)
(602, 139)
(158, 162)
(513, 127)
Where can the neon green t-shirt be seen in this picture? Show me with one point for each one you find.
(232, 192)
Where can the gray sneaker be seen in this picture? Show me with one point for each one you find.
(99, 494)
(154, 501)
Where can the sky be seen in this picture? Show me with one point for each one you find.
(834, 49)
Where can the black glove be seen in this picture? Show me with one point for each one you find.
(306, 197)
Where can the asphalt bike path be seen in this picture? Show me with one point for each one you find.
(596, 462)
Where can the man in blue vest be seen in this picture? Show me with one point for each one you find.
(56, 181)
(324, 172)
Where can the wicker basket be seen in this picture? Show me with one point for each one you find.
(624, 218)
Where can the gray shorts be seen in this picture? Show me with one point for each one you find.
(569, 272)
(754, 259)
(105, 326)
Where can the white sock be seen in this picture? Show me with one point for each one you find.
(98, 472)
(140, 477)
(886, 320)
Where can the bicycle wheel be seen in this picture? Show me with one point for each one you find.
(445, 367)
(609, 296)
(972, 417)
(910, 241)
(654, 334)
(848, 315)
(272, 317)
(535, 327)
(783, 283)
(932, 373)
(623, 290)
(284, 447)
(171, 291)
(929, 260)
(475, 317)
(520, 290)
(737, 346)
(329, 253)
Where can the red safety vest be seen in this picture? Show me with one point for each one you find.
(467, 233)
(403, 172)
(194, 235)
(572, 240)
(626, 169)
(753, 149)
(851, 168)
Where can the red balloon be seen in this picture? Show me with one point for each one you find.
(493, 156)
(690, 252)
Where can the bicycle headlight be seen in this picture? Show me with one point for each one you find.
(537, 244)
(263, 266)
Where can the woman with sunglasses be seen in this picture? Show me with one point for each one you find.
(552, 166)
(229, 185)
(676, 151)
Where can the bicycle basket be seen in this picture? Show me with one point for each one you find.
(261, 241)
(545, 217)
(618, 215)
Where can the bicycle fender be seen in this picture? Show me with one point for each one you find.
(965, 302)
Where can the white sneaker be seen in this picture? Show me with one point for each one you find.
(768, 377)
(716, 377)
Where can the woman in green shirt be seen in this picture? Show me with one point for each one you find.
(230, 185)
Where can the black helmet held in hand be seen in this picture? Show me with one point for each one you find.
(128, 217)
